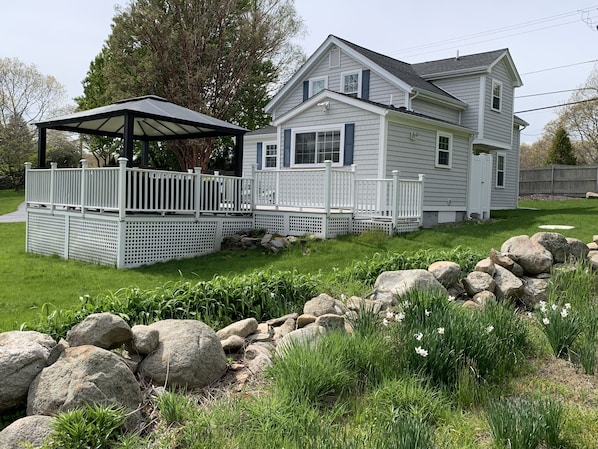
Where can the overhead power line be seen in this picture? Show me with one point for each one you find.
(560, 67)
(557, 105)
(556, 92)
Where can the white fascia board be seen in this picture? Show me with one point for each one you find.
(441, 99)
(511, 65)
(456, 73)
(430, 123)
(493, 144)
(328, 95)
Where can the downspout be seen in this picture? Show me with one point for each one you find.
(411, 98)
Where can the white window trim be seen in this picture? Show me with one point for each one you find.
(353, 72)
(264, 145)
(496, 83)
(311, 129)
(313, 80)
(500, 154)
(440, 134)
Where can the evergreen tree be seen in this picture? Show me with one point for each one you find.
(561, 150)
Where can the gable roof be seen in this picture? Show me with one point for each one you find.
(468, 64)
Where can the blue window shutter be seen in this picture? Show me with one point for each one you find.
(365, 84)
(305, 90)
(286, 145)
(349, 143)
(259, 155)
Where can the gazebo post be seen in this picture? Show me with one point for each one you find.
(239, 154)
(144, 153)
(128, 137)
(41, 147)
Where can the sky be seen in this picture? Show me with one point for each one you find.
(554, 43)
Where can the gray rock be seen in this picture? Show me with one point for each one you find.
(189, 354)
(555, 243)
(593, 259)
(356, 303)
(280, 320)
(501, 259)
(486, 266)
(331, 322)
(320, 305)
(57, 351)
(104, 330)
(84, 375)
(484, 298)
(507, 284)
(241, 328)
(534, 291)
(258, 357)
(307, 334)
(23, 355)
(577, 250)
(144, 340)
(233, 343)
(305, 319)
(286, 328)
(447, 273)
(30, 429)
(532, 256)
(478, 281)
(399, 283)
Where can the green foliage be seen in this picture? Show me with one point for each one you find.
(561, 325)
(561, 150)
(439, 339)
(175, 408)
(522, 424)
(91, 426)
(16, 147)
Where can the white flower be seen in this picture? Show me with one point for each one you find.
(343, 297)
(546, 321)
(421, 351)
(272, 295)
(542, 306)
(440, 330)
(451, 298)
(406, 304)
(529, 314)
(554, 307)
(389, 315)
(419, 336)
(564, 313)
(385, 322)
(399, 317)
(489, 329)
(567, 305)
(427, 312)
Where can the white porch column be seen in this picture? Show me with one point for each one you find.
(353, 199)
(28, 166)
(53, 167)
(122, 188)
(421, 198)
(84, 167)
(395, 198)
(197, 202)
(253, 187)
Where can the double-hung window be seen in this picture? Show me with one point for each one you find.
(444, 148)
(496, 95)
(350, 83)
(500, 169)
(270, 155)
(318, 146)
(317, 84)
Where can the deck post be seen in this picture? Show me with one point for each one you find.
(197, 202)
(122, 188)
(53, 167)
(327, 195)
(84, 167)
(353, 199)
(395, 198)
(28, 166)
(421, 199)
(253, 187)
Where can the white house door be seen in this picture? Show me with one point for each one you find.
(480, 185)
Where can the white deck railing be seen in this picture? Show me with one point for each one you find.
(132, 190)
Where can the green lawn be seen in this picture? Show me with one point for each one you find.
(30, 281)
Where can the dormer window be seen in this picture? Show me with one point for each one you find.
(350, 83)
(317, 84)
(496, 95)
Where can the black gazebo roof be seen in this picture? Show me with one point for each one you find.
(148, 118)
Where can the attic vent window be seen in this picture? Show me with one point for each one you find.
(334, 57)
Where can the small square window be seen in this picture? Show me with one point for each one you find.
(317, 85)
(350, 84)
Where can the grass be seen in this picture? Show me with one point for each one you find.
(31, 281)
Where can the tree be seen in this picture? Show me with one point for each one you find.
(218, 57)
(561, 150)
(26, 95)
(16, 147)
(63, 149)
(581, 119)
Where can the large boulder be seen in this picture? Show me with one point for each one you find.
(324, 304)
(507, 284)
(143, 340)
(241, 328)
(22, 357)
(84, 375)
(447, 273)
(104, 330)
(30, 429)
(399, 283)
(577, 250)
(555, 243)
(531, 255)
(478, 281)
(189, 354)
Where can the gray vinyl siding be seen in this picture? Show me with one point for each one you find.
(367, 132)
(412, 157)
(250, 151)
(466, 89)
(498, 125)
(381, 92)
(508, 197)
(435, 110)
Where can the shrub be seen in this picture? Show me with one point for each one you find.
(561, 325)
